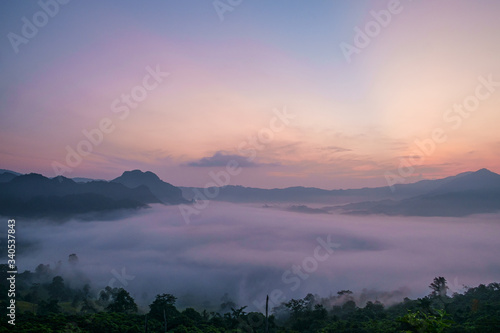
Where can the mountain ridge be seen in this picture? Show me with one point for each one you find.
(34, 195)
(300, 194)
(473, 193)
(460, 195)
(167, 193)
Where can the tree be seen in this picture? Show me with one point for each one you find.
(193, 315)
(422, 322)
(122, 302)
(374, 310)
(349, 307)
(73, 259)
(106, 294)
(43, 271)
(319, 312)
(296, 307)
(341, 293)
(34, 293)
(57, 289)
(227, 304)
(425, 303)
(88, 306)
(86, 291)
(52, 306)
(438, 287)
(163, 303)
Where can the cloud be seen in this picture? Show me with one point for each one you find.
(335, 149)
(245, 250)
(220, 159)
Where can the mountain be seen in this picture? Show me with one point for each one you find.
(472, 193)
(6, 177)
(84, 180)
(166, 192)
(9, 171)
(34, 195)
(240, 194)
(300, 195)
(481, 180)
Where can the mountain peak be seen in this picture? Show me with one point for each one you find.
(30, 177)
(62, 179)
(162, 190)
(485, 171)
(139, 174)
(483, 174)
(482, 179)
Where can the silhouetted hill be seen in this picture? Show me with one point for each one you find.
(480, 180)
(472, 193)
(298, 194)
(34, 195)
(240, 194)
(27, 186)
(6, 177)
(464, 194)
(9, 171)
(164, 191)
(62, 207)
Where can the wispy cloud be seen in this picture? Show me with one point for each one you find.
(335, 149)
(221, 159)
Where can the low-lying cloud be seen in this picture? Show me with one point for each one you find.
(246, 251)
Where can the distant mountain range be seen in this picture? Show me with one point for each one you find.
(471, 193)
(34, 195)
(464, 194)
(300, 195)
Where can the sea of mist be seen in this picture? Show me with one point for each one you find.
(244, 252)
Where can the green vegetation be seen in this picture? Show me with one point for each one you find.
(46, 303)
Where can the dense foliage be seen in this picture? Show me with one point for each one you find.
(46, 303)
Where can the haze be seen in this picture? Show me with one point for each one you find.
(244, 250)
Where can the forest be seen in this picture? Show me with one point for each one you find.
(46, 303)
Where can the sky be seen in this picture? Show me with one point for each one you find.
(327, 94)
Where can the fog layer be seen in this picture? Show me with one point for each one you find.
(249, 251)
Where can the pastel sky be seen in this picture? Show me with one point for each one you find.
(232, 68)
